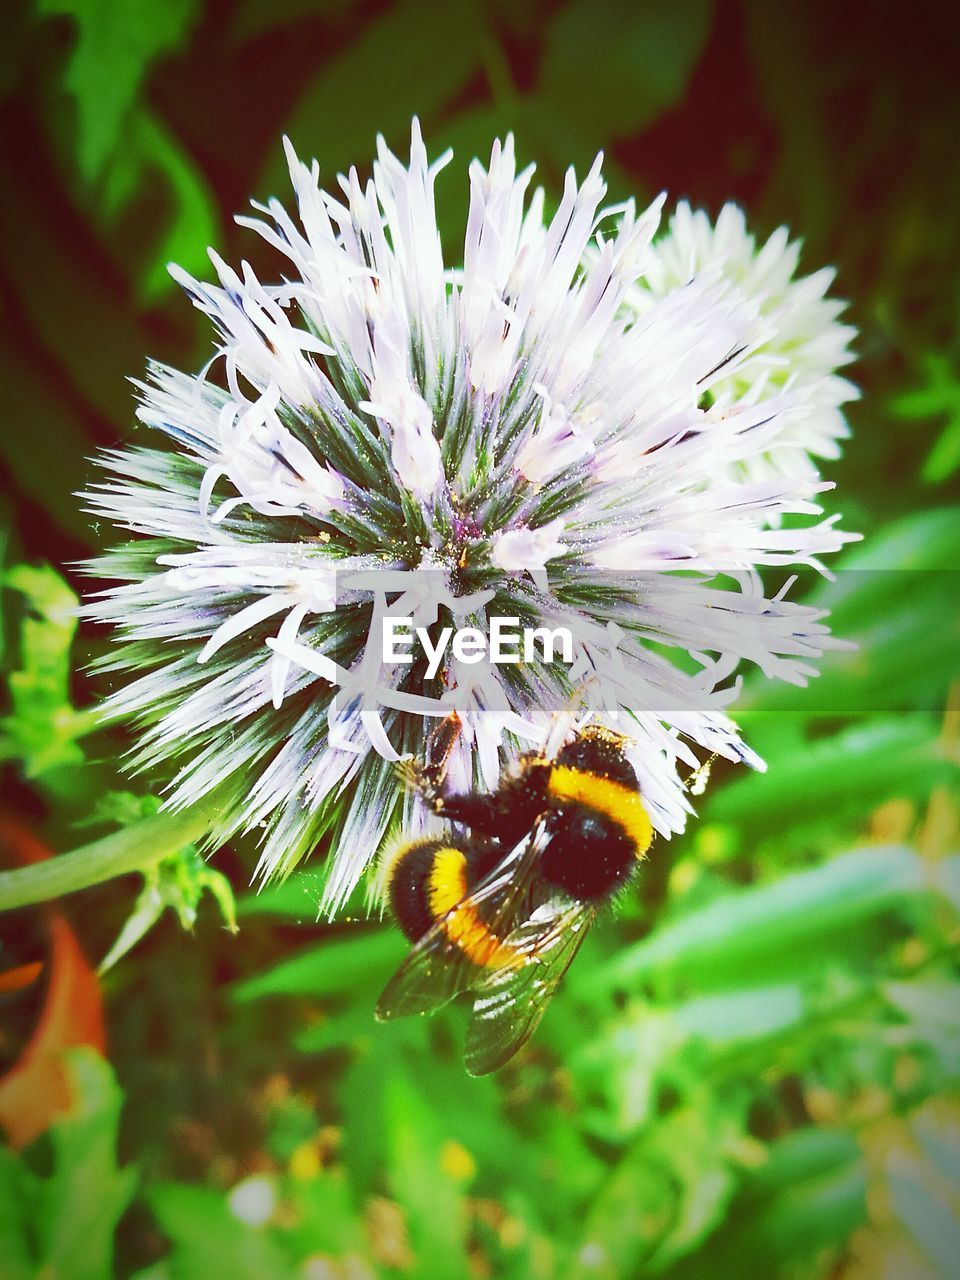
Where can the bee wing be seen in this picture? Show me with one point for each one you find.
(512, 1000)
(438, 967)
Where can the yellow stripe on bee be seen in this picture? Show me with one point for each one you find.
(447, 890)
(603, 795)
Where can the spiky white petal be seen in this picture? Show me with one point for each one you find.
(527, 549)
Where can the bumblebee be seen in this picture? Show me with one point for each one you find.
(499, 906)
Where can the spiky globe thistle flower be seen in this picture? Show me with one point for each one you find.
(384, 434)
(807, 343)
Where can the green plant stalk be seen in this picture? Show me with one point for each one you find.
(135, 848)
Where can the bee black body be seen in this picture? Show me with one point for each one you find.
(417, 870)
(588, 855)
(499, 905)
(589, 801)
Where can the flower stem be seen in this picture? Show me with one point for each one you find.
(135, 848)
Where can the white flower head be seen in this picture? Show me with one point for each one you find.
(806, 344)
(546, 429)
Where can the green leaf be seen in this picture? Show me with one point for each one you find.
(810, 1194)
(296, 898)
(613, 66)
(944, 458)
(818, 782)
(664, 1196)
(120, 809)
(768, 1235)
(350, 1026)
(19, 1188)
(557, 141)
(937, 394)
(178, 882)
(937, 389)
(43, 727)
(741, 933)
(147, 910)
(207, 1239)
(193, 225)
(159, 1271)
(746, 1014)
(326, 1218)
(465, 1109)
(895, 596)
(804, 1156)
(346, 961)
(921, 540)
(132, 849)
(115, 46)
(80, 1204)
(121, 141)
(433, 1200)
(410, 59)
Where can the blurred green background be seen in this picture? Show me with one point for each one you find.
(752, 1071)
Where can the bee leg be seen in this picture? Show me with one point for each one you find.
(420, 778)
(480, 811)
(495, 814)
(427, 778)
